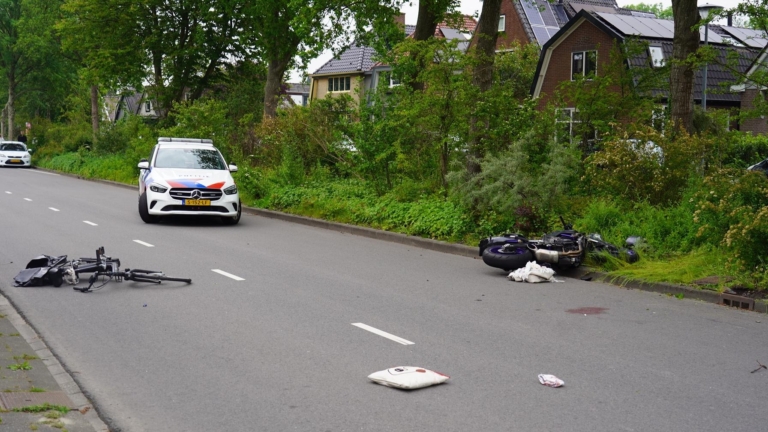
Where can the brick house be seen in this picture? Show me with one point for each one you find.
(583, 46)
(536, 21)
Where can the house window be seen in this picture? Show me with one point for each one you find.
(390, 79)
(657, 56)
(339, 84)
(147, 106)
(565, 118)
(502, 23)
(583, 64)
(188, 96)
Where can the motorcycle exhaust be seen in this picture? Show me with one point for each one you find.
(547, 256)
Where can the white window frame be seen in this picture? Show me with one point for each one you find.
(656, 54)
(584, 63)
(502, 23)
(147, 106)
(340, 83)
(571, 121)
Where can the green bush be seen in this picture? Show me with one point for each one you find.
(732, 209)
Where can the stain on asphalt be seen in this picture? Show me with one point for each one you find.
(588, 310)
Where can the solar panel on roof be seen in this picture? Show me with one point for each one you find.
(749, 37)
(542, 20)
(532, 12)
(650, 27)
(545, 8)
(542, 36)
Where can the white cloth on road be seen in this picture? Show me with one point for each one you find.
(533, 273)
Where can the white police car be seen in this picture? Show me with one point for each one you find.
(14, 153)
(187, 176)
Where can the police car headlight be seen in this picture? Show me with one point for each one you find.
(231, 190)
(154, 187)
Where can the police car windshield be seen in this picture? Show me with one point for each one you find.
(189, 159)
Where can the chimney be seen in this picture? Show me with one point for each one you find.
(400, 19)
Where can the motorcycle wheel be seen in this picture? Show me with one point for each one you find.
(508, 261)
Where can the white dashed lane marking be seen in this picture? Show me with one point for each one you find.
(382, 333)
(144, 243)
(229, 275)
(54, 209)
(90, 223)
(27, 199)
(8, 192)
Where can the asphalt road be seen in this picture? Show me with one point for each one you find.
(277, 351)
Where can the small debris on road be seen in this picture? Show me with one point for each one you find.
(408, 377)
(550, 381)
(762, 366)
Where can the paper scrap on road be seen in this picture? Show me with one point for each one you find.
(551, 380)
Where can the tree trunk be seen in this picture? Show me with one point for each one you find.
(484, 50)
(2, 122)
(685, 43)
(430, 13)
(275, 72)
(9, 107)
(95, 115)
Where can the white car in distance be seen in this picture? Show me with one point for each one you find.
(187, 176)
(14, 153)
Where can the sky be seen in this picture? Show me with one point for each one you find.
(473, 7)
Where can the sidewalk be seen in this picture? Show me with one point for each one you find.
(31, 377)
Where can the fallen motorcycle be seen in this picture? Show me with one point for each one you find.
(564, 249)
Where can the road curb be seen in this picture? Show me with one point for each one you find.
(435, 245)
(108, 182)
(761, 306)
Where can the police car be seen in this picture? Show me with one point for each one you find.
(187, 176)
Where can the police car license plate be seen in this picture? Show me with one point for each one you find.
(191, 202)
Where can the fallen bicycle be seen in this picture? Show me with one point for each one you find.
(46, 269)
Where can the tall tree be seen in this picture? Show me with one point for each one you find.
(182, 44)
(685, 44)
(290, 31)
(30, 56)
(484, 50)
(431, 13)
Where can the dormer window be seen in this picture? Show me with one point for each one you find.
(502, 23)
(657, 56)
(148, 106)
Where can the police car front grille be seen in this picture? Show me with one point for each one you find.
(186, 193)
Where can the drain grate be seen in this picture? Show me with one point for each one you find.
(736, 301)
(11, 400)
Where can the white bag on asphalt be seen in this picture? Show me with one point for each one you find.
(533, 273)
(407, 377)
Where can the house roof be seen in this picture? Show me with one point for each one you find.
(355, 59)
(659, 32)
(468, 25)
(542, 19)
(297, 88)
